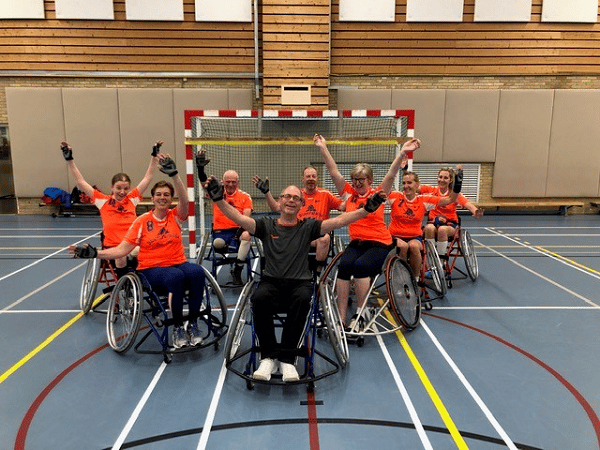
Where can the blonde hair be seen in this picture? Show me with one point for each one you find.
(362, 168)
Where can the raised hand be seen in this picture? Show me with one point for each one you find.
(215, 190)
(156, 148)
(66, 151)
(374, 201)
(167, 166)
(261, 185)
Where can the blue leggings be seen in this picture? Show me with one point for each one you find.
(360, 261)
(175, 279)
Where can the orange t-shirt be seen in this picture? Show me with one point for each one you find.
(116, 217)
(448, 211)
(407, 216)
(318, 204)
(370, 228)
(160, 241)
(240, 200)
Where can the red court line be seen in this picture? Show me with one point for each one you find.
(313, 425)
(580, 398)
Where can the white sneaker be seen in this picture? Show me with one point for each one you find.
(265, 370)
(288, 372)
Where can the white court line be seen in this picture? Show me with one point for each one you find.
(547, 308)
(554, 283)
(42, 311)
(138, 409)
(488, 414)
(212, 410)
(407, 401)
(46, 257)
(44, 286)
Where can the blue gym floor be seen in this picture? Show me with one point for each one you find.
(509, 361)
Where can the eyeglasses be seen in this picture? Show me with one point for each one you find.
(362, 180)
(286, 197)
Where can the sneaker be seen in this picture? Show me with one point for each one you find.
(427, 275)
(361, 324)
(236, 276)
(288, 372)
(194, 334)
(267, 367)
(180, 337)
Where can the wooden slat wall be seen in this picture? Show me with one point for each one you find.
(468, 47)
(295, 49)
(121, 45)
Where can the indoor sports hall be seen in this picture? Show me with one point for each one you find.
(490, 344)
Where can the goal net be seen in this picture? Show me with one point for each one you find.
(279, 145)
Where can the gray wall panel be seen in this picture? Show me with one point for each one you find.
(524, 121)
(364, 98)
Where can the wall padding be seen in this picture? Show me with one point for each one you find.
(524, 121)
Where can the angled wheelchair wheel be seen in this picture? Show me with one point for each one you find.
(89, 285)
(403, 292)
(335, 328)
(124, 313)
(214, 308)
(468, 251)
(434, 265)
(237, 328)
(201, 252)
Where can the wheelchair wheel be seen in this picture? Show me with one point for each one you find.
(434, 265)
(124, 313)
(218, 313)
(241, 317)
(201, 251)
(89, 284)
(403, 292)
(335, 328)
(468, 251)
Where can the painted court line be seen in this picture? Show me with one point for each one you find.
(212, 410)
(488, 414)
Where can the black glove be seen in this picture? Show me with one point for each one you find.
(156, 149)
(201, 162)
(67, 152)
(458, 179)
(215, 190)
(374, 202)
(263, 186)
(86, 251)
(167, 166)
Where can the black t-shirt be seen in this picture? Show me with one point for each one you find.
(286, 248)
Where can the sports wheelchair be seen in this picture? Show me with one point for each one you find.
(133, 298)
(226, 256)
(432, 268)
(460, 245)
(393, 302)
(242, 347)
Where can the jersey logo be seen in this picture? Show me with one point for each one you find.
(274, 237)
(149, 225)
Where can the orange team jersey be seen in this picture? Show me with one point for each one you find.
(160, 241)
(117, 217)
(448, 211)
(240, 200)
(407, 216)
(370, 228)
(318, 204)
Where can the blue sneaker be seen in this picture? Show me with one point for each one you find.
(194, 334)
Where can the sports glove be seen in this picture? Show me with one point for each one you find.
(167, 166)
(458, 179)
(156, 149)
(86, 251)
(215, 190)
(263, 185)
(374, 202)
(67, 152)
(201, 161)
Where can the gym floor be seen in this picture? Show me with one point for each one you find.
(508, 361)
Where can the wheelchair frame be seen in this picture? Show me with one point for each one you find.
(133, 298)
(461, 245)
(97, 271)
(242, 321)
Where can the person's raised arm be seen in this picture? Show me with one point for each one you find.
(89, 251)
(154, 161)
(263, 186)
(215, 191)
(397, 163)
(83, 185)
(330, 163)
(373, 203)
(456, 188)
(167, 166)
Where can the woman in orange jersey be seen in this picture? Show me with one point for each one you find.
(117, 210)
(370, 240)
(443, 220)
(161, 257)
(408, 209)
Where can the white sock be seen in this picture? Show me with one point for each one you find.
(441, 247)
(243, 250)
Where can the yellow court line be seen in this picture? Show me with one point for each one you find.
(458, 439)
(46, 342)
(570, 261)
